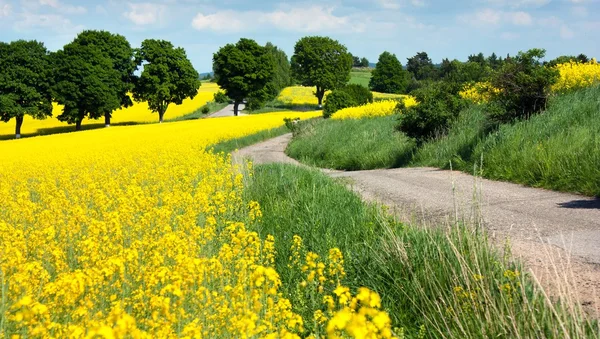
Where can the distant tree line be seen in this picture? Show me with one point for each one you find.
(91, 77)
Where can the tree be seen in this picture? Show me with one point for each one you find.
(321, 62)
(388, 75)
(523, 87)
(364, 62)
(282, 74)
(24, 82)
(86, 81)
(355, 61)
(168, 76)
(243, 70)
(421, 67)
(119, 51)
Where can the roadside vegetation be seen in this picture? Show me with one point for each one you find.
(537, 133)
(444, 282)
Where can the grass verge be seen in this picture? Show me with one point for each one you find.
(197, 114)
(351, 144)
(434, 282)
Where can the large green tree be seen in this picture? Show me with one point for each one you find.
(421, 67)
(282, 75)
(92, 76)
(168, 76)
(243, 70)
(24, 82)
(119, 51)
(388, 75)
(321, 62)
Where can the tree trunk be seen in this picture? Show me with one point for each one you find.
(79, 120)
(18, 127)
(320, 95)
(107, 120)
(236, 107)
(161, 115)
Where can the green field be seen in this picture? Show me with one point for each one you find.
(360, 77)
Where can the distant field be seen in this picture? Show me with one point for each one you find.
(360, 77)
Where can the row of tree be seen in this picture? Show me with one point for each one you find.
(91, 77)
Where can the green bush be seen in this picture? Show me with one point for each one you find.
(205, 109)
(337, 100)
(360, 94)
(523, 85)
(439, 104)
(221, 98)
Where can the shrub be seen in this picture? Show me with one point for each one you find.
(337, 100)
(205, 109)
(439, 104)
(523, 85)
(360, 94)
(221, 98)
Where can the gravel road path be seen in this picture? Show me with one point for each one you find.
(557, 235)
(227, 112)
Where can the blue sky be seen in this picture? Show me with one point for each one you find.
(452, 29)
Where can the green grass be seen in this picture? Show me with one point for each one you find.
(442, 282)
(232, 145)
(351, 144)
(558, 149)
(360, 77)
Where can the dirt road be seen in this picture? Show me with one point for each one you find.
(227, 112)
(557, 235)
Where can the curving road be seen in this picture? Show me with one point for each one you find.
(557, 235)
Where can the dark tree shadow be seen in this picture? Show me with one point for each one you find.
(581, 204)
(67, 129)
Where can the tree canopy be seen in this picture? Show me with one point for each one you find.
(321, 62)
(243, 70)
(92, 76)
(388, 75)
(24, 82)
(282, 75)
(168, 76)
(421, 67)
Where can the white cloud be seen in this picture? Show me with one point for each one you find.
(520, 3)
(389, 4)
(298, 19)
(54, 22)
(143, 14)
(520, 18)
(579, 11)
(5, 9)
(566, 32)
(492, 17)
(62, 7)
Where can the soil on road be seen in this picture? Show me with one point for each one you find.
(556, 235)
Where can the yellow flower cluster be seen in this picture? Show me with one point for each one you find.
(136, 232)
(574, 75)
(383, 96)
(479, 92)
(299, 95)
(375, 109)
(341, 315)
(138, 113)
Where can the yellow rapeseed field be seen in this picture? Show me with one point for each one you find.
(575, 75)
(299, 95)
(139, 113)
(139, 232)
(375, 109)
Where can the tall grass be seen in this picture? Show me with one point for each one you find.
(559, 149)
(441, 282)
(351, 144)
